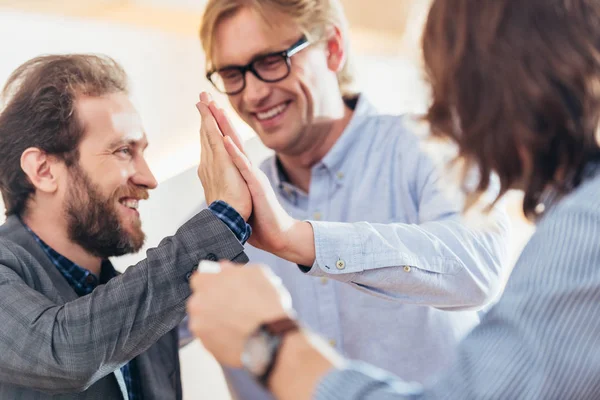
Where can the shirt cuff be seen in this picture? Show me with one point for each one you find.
(338, 250)
(230, 217)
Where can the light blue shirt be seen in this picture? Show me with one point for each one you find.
(380, 290)
(540, 341)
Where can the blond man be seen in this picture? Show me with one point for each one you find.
(286, 68)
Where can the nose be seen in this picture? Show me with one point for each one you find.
(143, 176)
(255, 90)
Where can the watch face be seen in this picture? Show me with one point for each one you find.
(257, 353)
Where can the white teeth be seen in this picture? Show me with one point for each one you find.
(272, 112)
(133, 204)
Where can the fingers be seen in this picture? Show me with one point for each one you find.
(204, 144)
(209, 128)
(284, 294)
(222, 121)
(209, 267)
(212, 267)
(209, 131)
(225, 125)
(239, 160)
(205, 98)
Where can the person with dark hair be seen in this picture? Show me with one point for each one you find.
(515, 87)
(72, 173)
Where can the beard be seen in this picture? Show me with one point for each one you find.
(93, 221)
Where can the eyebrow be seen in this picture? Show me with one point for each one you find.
(263, 53)
(130, 142)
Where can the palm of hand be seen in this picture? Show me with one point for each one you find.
(269, 221)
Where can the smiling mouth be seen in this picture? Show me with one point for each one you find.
(271, 112)
(130, 203)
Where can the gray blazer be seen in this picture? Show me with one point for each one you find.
(56, 345)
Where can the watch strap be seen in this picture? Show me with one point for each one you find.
(277, 329)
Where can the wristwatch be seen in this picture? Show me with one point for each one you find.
(261, 348)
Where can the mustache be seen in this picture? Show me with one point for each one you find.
(134, 191)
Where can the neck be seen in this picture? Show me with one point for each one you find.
(298, 166)
(53, 231)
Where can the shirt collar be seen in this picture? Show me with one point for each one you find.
(80, 279)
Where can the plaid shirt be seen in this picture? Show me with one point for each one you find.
(84, 283)
(232, 219)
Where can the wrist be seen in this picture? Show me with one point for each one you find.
(302, 361)
(299, 244)
(232, 218)
(241, 209)
(262, 346)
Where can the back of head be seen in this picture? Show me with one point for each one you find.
(39, 111)
(315, 18)
(516, 84)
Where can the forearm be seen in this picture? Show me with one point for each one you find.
(444, 264)
(302, 361)
(307, 368)
(72, 345)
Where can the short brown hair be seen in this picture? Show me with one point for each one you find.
(40, 112)
(517, 75)
(314, 18)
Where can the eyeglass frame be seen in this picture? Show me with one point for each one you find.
(286, 55)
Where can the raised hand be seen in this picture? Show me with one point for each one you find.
(273, 229)
(229, 303)
(220, 178)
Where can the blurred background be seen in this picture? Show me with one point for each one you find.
(157, 43)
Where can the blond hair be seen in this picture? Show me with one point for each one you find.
(314, 17)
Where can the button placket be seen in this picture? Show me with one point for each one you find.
(319, 198)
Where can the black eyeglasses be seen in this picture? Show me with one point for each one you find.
(272, 67)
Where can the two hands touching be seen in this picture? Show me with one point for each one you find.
(227, 174)
(229, 303)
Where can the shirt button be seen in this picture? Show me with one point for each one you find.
(407, 268)
(332, 342)
(324, 280)
(317, 216)
(90, 279)
(340, 264)
(340, 175)
(189, 274)
(211, 257)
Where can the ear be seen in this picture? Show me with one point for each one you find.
(41, 169)
(336, 53)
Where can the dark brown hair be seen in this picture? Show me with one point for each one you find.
(514, 77)
(40, 98)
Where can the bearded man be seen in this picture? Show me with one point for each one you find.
(72, 172)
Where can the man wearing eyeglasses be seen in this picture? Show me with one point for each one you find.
(286, 69)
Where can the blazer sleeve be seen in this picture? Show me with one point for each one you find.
(57, 348)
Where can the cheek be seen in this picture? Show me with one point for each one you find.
(118, 177)
(115, 181)
(237, 103)
(303, 84)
